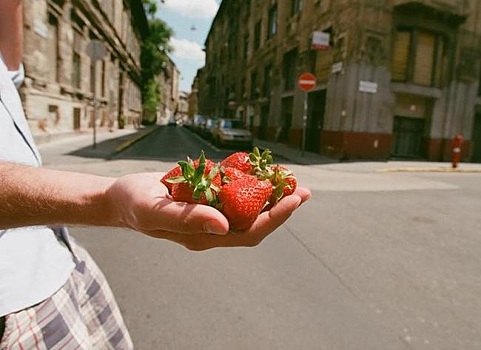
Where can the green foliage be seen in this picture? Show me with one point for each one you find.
(153, 58)
(151, 101)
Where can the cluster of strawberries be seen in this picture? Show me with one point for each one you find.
(241, 186)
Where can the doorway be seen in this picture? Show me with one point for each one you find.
(76, 118)
(264, 122)
(315, 120)
(408, 135)
(476, 156)
(286, 121)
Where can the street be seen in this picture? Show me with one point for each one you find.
(375, 260)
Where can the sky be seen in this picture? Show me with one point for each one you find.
(190, 21)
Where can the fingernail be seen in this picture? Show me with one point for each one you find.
(214, 227)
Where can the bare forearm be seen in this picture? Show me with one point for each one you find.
(34, 196)
(11, 32)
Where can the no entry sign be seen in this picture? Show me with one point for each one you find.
(307, 82)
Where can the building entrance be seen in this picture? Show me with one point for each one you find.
(408, 135)
(264, 120)
(286, 120)
(476, 156)
(315, 120)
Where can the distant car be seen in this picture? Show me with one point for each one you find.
(231, 132)
(172, 122)
(197, 123)
(206, 128)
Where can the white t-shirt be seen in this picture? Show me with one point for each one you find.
(34, 262)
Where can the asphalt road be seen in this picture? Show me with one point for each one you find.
(373, 261)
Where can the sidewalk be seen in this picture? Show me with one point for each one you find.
(309, 158)
(293, 155)
(109, 143)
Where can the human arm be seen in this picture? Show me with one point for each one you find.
(11, 32)
(36, 196)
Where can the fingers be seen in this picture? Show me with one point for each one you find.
(265, 224)
(190, 218)
(304, 193)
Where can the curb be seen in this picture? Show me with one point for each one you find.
(123, 146)
(430, 169)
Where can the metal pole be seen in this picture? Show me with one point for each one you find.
(304, 124)
(95, 98)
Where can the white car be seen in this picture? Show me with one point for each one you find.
(231, 132)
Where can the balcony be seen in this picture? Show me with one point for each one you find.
(450, 12)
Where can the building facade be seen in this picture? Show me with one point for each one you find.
(394, 78)
(169, 92)
(65, 78)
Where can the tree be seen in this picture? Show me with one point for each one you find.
(153, 58)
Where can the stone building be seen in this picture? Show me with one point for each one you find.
(193, 98)
(63, 81)
(394, 78)
(169, 92)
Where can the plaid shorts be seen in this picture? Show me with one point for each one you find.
(83, 314)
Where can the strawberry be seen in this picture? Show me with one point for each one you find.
(230, 174)
(254, 163)
(238, 160)
(174, 172)
(177, 171)
(242, 200)
(199, 183)
(261, 162)
(283, 181)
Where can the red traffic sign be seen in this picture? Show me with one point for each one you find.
(307, 82)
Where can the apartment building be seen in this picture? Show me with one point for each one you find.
(63, 79)
(169, 91)
(394, 78)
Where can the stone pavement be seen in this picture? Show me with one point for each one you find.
(309, 158)
(109, 143)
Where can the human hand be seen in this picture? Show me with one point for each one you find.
(143, 204)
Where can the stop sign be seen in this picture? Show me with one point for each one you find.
(307, 82)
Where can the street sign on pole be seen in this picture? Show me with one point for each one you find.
(96, 51)
(307, 82)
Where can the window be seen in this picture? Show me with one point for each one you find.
(93, 76)
(104, 72)
(296, 6)
(419, 57)
(254, 88)
(76, 59)
(272, 24)
(290, 67)
(52, 51)
(479, 83)
(257, 35)
(76, 70)
(266, 87)
(246, 47)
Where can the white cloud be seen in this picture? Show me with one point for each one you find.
(187, 49)
(193, 8)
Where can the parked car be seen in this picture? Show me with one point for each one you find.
(206, 128)
(231, 132)
(197, 123)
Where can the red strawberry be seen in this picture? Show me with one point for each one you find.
(238, 160)
(255, 163)
(261, 162)
(174, 172)
(242, 200)
(198, 183)
(230, 174)
(177, 171)
(283, 181)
